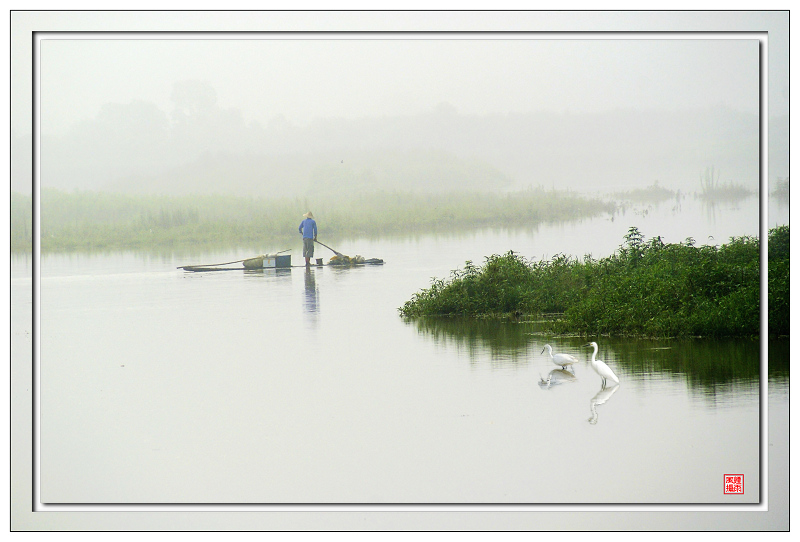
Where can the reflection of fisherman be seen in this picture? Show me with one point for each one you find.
(308, 228)
(311, 291)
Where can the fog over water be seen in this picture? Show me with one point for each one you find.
(303, 80)
(277, 117)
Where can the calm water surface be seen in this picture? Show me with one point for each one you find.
(161, 386)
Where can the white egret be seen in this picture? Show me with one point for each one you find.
(562, 360)
(601, 368)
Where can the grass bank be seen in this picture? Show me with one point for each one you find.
(109, 221)
(650, 194)
(646, 289)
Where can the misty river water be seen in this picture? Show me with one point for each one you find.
(306, 386)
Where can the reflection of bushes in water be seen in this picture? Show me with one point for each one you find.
(503, 339)
(709, 365)
(778, 352)
(647, 288)
(705, 363)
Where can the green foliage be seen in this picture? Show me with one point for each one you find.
(646, 288)
(101, 220)
(778, 280)
(507, 284)
(496, 288)
(778, 244)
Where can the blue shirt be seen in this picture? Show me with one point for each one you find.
(308, 228)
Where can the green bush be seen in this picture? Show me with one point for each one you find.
(778, 280)
(646, 288)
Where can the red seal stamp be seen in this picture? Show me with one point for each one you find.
(734, 484)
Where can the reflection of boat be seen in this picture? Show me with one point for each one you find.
(556, 376)
(602, 396)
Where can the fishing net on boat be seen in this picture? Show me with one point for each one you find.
(344, 261)
(341, 259)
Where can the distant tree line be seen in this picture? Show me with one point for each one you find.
(199, 147)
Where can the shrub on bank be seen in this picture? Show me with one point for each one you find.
(646, 288)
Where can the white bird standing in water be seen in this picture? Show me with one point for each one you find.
(562, 360)
(601, 368)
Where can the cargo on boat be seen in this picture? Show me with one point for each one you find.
(345, 261)
(269, 261)
(263, 261)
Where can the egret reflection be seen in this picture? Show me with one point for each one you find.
(602, 396)
(556, 377)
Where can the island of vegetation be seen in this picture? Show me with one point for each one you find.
(646, 289)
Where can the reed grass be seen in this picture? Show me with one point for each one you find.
(712, 190)
(781, 190)
(108, 221)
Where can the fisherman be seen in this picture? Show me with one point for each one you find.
(308, 227)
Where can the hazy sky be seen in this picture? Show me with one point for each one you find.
(303, 79)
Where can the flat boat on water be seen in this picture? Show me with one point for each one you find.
(280, 261)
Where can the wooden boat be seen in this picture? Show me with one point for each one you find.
(278, 261)
(263, 261)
